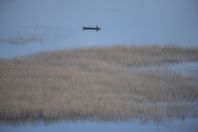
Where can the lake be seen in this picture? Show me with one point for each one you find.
(176, 125)
(28, 27)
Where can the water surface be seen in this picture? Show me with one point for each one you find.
(58, 25)
(177, 125)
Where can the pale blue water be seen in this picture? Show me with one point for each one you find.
(57, 24)
(186, 68)
(187, 125)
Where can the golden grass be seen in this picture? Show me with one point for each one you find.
(97, 83)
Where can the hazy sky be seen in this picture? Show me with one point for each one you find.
(58, 23)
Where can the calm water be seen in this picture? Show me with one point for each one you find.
(187, 125)
(188, 69)
(31, 26)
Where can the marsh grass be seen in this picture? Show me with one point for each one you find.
(24, 39)
(97, 83)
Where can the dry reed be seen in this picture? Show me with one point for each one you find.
(97, 83)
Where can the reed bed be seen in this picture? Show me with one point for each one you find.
(98, 83)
